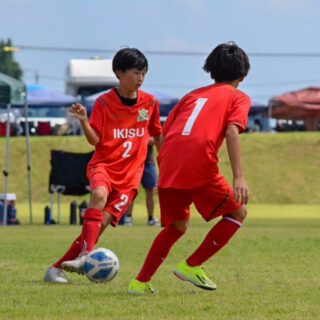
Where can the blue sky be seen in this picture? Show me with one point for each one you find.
(258, 26)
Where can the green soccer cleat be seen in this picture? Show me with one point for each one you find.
(195, 275)
(136, 286)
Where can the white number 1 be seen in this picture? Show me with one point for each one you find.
(195, 112)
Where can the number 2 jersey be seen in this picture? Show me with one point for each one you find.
(194, 132)
(124, 133)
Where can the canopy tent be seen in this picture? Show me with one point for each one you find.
(166, 102)
(301, 104)
(13, 91)
(45, 105)
(38, 96)
(258, 108)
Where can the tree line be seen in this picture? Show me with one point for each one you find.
(8, 65)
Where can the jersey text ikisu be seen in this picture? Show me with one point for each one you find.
(128, 133)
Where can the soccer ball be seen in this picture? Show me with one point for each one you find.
(101, 265)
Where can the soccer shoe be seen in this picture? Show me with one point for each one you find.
(153, 222)
(54, 274)
(75, 265)
(195, 275)
(136, 286)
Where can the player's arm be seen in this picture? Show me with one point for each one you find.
(157, 141)
(240, 187)
(78, 111)
(154, 127)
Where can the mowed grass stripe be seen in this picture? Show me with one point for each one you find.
(269, 270)
(279, 168)
(255, 211)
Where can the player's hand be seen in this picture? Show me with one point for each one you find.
(78, 111)
(240, 190)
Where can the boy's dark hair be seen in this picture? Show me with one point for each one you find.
(128, 58)
(227, 62)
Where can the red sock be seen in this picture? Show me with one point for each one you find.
(71, 254)
(158, 252)
(217, 237)
(91, 228)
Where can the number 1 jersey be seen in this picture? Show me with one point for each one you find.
(194, 132)
(124, 133)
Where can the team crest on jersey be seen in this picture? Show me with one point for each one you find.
(143, 115)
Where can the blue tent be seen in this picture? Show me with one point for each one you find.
(166, 102)
(257, 108)
(39, 96)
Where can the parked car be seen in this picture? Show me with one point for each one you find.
(55, 115)
(45, 120)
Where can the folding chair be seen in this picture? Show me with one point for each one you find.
(68, 175)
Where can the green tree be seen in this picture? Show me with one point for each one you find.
(8, 65)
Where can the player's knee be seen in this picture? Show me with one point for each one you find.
(240, 214)
(99, 195)
(106, 220)
(181, 225)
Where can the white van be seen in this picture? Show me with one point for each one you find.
(88, 76)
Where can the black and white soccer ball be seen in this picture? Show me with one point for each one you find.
(101, 265)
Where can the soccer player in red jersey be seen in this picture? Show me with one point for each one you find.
(120, 125)
(188, 168)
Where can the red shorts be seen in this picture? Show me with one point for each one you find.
(211, 200)
(118, 200)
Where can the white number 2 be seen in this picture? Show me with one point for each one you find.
(128, 146)
(195, 112)
(124, 201)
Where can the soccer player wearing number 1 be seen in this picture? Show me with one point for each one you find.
(189, 173)
(120, 125)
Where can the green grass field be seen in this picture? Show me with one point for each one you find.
(279, 168)
(269, 270)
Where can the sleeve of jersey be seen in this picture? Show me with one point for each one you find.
(96, 117)
(240, 107)
(154, 126)
(171, 118)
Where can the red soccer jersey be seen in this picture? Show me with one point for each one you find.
(194, 131)
(124, 133)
